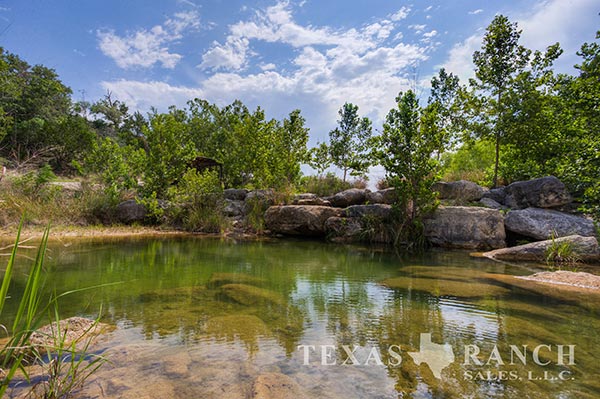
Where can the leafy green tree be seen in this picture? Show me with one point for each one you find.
(294, 138)
(32, 97)
(447, 97)
(500, 59)
(319, 158)
(349, 142)
(406, 150)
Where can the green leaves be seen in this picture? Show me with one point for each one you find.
(349, 143)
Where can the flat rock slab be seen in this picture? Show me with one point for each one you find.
(563, 277)
(540, 224)
(73, 330)
(585, 248)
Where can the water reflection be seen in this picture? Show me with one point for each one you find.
(203, 317)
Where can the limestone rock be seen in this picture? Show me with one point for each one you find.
(343, 230)
(353, 196)
(541, 223)
(300, 219)
(491, 203)
(585, 248)
(233, 208)
(386, 196)
(545, 192)
(466, 227)
(235, 194)
(380, 211)
(309, 199)
(461, 191)
(131, 211)
(276, 386)
(497, 194)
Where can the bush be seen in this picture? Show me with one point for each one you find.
(198, 202)
(323, 186)
(473, 161)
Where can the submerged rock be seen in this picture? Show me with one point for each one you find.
(249, 295)
(276, 386)
(219, 279)
(540, 224)
(71, 331)
(466, 227)
(443, 287)
(300, 219)
(245, 327)
(585, 248)
(461, 191)
(545, 192)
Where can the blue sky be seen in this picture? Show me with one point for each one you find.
(281, 55)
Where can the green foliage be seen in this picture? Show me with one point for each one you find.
(33, 100)
(319, 158)
(117, 168)
(406, 150)
(349, 143)
(28, 316)
(470, 162)
(561, 255)
(323, 186)
(505, 75)
(198, 202)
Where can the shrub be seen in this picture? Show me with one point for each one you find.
(323, 186)
(197, 202)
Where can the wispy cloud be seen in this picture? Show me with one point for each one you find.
(475, 12)
(144, 48)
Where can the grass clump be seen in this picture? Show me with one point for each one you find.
(561, 255)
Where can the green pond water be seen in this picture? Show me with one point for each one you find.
(204, 318)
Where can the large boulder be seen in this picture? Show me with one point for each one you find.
(235, 194)
(258, 201)
(378, 211)
(385, 196)
(300, 219)
(545, 192)
(461, 191)
(131, 211)
(496, 194)
(466, 227)
(585, 248)
(353, 196)
(540, 224)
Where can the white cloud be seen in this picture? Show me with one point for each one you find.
(475, 12)
(401, 14)
(460, 57)
(144, 48)
(417, 28)
(554, 21)
(428, 8)
(430, 34)
(367, 66)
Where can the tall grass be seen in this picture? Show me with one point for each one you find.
(66, 366)
(28, 316)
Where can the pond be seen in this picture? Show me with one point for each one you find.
(200, 317)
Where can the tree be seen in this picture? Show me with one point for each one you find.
(348, 143)
(319, 158)
(32, 97)
(294, 137)
(496, 64)
(406, 150)
(446, 96)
